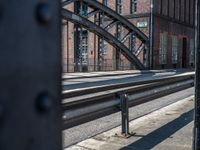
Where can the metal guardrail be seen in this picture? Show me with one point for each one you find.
(88, 104)
(89, 90)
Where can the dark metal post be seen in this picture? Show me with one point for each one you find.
(30, 63)
(118, 54)
(196, 145)
(101, 46)
(67, 47)
(125, 114)
(145, 56)
(76, 39)
(151, 36)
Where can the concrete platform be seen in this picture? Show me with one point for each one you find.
(169, 128)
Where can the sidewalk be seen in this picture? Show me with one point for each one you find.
(169, 128)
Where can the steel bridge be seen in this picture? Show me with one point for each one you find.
(30, 77)
(104, 31)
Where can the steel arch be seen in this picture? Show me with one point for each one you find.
(92, 27)
(115, 16)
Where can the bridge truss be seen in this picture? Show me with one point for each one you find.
(107, 20)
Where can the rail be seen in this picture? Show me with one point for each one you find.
(83, 105)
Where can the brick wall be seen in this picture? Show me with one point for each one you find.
(165, 20)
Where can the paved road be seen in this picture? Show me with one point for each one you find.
(169, 128)
(82, 132)
(78, 83)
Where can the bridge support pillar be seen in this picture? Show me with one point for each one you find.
(30, 63)
(196, 144)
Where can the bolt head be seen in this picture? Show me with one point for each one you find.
(43, 13)
(44, 102)
(1, 111)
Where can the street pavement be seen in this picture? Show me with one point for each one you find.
(82, 132)
(168, 128)
(84, 82)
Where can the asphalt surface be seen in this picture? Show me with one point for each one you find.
(77, 83)
(84, 131)
(169, 128)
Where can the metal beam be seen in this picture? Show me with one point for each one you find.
(115, 16)
(30, 62)
(104, 34)
(92, 13)
(125, 38)
(110, 25)
(196, 144)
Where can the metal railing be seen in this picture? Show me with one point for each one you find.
(92, 65)
(83, 105)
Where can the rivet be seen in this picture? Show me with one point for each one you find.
(1, 111)
(1, 12)
(44, 102)
(43, 13)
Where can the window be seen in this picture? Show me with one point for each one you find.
(191, 52)
(105, 2)
(82, 9)
(163, 48)
(133, 6)
(102, 46)
(83, 46)
(174, 49)
(119, 6)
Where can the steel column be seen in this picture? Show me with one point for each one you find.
(76, 40)
(196, 145)
(30, 62)
(151, 36)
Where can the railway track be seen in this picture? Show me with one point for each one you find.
(86, 104)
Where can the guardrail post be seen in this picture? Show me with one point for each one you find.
(125, 114)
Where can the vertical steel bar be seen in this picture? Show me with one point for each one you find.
(99, 45)
(95, 46)
(76, 39)
(196, 145)
(81, 40)
(67, 46)
(124, 114)
(151, 37)
(118, 53)
(30, 63)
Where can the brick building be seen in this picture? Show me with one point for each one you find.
(170, 24)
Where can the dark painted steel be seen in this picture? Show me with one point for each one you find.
(102, 33)
(110, 102)
(196, 145)
(115, 16)
(126, 37)
(30, 62)
(92, 13)
(110, 25)
(125, 114)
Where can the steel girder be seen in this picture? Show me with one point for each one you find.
(30, 62)
(115, 16)
(92, 27)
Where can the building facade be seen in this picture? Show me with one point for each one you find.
(169, 25)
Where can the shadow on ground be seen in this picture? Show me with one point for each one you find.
(152, 139)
